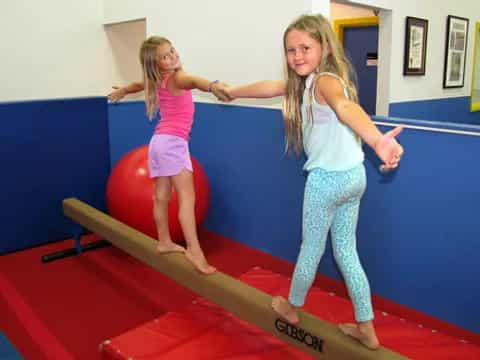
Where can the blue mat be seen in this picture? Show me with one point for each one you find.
(7, 351)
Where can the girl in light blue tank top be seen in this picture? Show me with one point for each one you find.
(323, 119)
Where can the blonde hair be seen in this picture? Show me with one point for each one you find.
(333, 60)
(151, 73)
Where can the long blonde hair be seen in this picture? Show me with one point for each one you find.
(333, 60)
(151, 72)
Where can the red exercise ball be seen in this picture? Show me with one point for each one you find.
(130, 195)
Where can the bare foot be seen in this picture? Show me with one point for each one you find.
(198, 260)
(366, 337)
(168, 247)
(286, 310)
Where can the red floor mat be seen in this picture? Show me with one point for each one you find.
(204, 331)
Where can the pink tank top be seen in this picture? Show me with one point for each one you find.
(176, 112)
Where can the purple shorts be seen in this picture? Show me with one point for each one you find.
(168, 155)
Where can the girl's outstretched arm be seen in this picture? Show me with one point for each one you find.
(330, 90)
(120, 92)
(187, 81)
(261, 89)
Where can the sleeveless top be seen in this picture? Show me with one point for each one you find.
(328, 143)
(176, 112)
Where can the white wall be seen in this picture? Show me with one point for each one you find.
(319, 7)
(234, 41)
(125, 40)
(345, 11)
(52, 49)
(115, 11)
(57, 48)
(408, 88)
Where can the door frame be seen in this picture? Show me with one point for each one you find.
(340, 24)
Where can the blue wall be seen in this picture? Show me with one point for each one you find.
(241, 150)
(450, 110)
(129, 128)
(419, 228)
(49, 150)
(417, 235)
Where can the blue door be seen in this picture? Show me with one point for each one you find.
(361, 46)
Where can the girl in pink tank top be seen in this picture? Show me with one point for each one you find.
(168, 90)
(176, 111)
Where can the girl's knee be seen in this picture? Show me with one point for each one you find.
(163, 190)
(161, 196)
(346, 258)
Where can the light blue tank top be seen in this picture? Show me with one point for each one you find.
(328, 143)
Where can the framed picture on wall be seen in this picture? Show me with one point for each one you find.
(455, 52)
(415, 46)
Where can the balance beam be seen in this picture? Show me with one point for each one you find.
(316, 337)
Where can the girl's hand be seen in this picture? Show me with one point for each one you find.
(221, 91)
(389, 150)
(116, 95)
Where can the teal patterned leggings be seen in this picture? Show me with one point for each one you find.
(331, 202)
